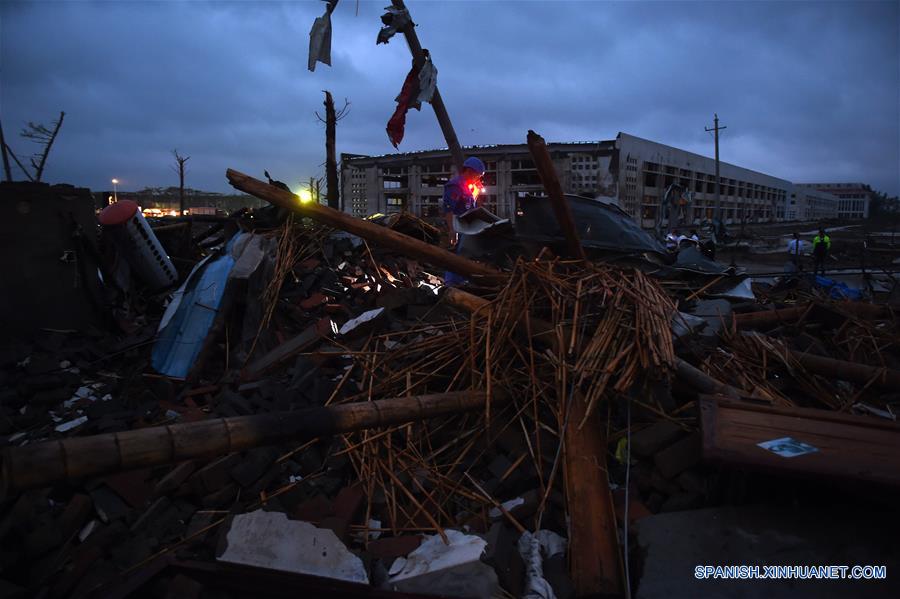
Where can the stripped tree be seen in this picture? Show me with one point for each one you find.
(40, 134)
(331, 175)
(179, 168)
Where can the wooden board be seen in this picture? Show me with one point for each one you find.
(287, 350)
(595, 561)
(849, 446)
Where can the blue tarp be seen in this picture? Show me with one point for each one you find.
(188, 319)
(839, 290)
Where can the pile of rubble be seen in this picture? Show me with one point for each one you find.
(570, 398)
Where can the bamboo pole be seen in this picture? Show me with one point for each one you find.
(367, 230)
(42, 464)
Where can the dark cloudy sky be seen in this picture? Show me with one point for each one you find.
(809, 91)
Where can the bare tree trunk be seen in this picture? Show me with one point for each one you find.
(179, 168)
(6, 170)
(330, 158)
(40, 167)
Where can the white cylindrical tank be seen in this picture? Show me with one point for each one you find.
(136, 240)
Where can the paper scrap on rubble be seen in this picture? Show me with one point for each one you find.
(361, 319)
(452, 569)
(507, 505)
(788, 447)
(67, 426)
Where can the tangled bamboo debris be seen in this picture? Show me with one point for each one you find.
(594, 302)
(861, 350)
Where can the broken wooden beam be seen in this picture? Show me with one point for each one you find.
(846, 445)
(860, 374)
(701, 381)
(544, 165)
(770, 318)
(42, 464)
(595, 562)
(367, 230)
(287, 350)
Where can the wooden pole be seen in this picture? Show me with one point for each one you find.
(437, 103)
(768, 318)
(544, 165)
(42, 464)
(595, 561)
(367, 230)
(860, 374)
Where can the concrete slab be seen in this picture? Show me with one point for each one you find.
(270, 540)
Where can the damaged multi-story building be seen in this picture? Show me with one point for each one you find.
(632, 172)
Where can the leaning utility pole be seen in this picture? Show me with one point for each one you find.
(440, 111)
(718, 213)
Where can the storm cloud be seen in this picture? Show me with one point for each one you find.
(809, 91)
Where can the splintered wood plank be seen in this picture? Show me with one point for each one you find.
(595, 562)
(287, 350)
(848, 446)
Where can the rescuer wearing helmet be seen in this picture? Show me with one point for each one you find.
(460, 195)
(461, 192)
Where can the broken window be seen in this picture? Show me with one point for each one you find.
(649, 180)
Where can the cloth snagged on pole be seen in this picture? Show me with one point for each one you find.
(320, 40)
(406, 100)
(418, 87)
(394, 20)
(427, 81)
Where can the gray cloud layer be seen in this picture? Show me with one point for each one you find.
(808, 90)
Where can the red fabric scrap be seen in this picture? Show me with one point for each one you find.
(408, 93)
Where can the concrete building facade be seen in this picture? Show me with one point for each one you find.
(630, 171)
(854, 197)
(811, 204)
(415, 181)
(649, 168)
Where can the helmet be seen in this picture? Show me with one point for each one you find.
(475, 164)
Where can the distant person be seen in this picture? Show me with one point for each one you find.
(694, 237)
(672, 240)
(821, 247)
(795, 249)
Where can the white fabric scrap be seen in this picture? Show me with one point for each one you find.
(320, 41)
(361, 319)
(495, 513)
(67, 426)
(427, 81)
(534, 549)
